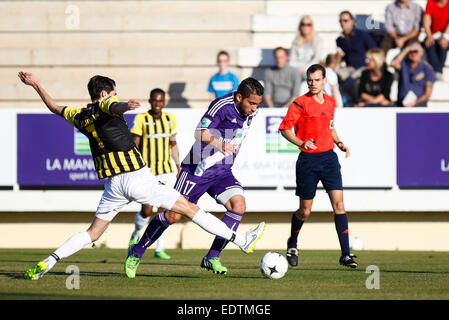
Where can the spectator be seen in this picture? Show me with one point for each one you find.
(353, 43)
(224, 81)
(282, 83)
(416, 77)
(402, 23)
(306, 48)
(331, 88)
(375, 82)
(352, 46)
(435, 24)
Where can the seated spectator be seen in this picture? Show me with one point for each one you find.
(375, 82)
(352, 46)
(224, 81)
(435, 24)
(282, 83)
(402, 23)
(416, 77)
(306, 48)
(331, 88)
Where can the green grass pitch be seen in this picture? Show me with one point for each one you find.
(402, 275)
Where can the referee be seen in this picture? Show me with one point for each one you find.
(155, 134)
(312, 116)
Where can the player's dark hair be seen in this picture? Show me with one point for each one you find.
(250, 86)
(156, 90)
(316, 67)
(348, 13)
(224, 53)
(99, 83)
(280, 48)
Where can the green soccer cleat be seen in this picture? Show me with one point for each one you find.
(133, 241)
(36, 271)
(161, 255)
(131, 264)
(214, 265)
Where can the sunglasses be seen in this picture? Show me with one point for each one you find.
(306, 24)
(413, 51)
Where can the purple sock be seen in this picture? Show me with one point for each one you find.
(153, 231)
(232, 220)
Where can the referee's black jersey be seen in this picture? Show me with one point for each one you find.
(111, 143)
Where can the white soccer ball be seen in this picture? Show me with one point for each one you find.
(273, 265)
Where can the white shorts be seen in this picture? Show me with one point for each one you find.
(169, 179)
(140, 186)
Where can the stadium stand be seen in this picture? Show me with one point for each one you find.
(141, 44)
(171, 44)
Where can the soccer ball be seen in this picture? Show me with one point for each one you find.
(273, 265)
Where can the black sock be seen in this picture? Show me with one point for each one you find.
(295, 228)
(341, 225)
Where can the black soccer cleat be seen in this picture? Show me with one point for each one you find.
(292, 256)
(348, 261)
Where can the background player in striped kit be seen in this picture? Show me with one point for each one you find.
(129, 179)
(155, 135)
(208, 165)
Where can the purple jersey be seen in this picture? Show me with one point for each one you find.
(226, 124)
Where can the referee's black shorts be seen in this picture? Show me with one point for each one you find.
(314, 167)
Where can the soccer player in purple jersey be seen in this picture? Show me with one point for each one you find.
(207, 168)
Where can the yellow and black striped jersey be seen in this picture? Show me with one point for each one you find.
(155, 143)
(111, 144)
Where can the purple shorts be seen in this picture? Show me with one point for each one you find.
(221, 188)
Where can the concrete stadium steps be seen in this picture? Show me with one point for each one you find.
(128, 15)
(111, 56)
(283, 7)
(69, 90)
(285, 39)
(130, 22)
(153, 40)
(322, 23)
(37, 105)
(183, 84)
(106, 7)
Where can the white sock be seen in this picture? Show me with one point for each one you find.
(161, 241)
(139, 223)
(217, 227)
(74, 244)
(50, 262)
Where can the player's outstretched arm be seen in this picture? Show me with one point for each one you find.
(31, 80)
(122, 107)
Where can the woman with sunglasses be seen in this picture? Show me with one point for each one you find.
(306, 48)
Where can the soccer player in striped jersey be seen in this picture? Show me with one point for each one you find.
(155, 134)
(207, 168)
(312, 117)
(128, 177)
